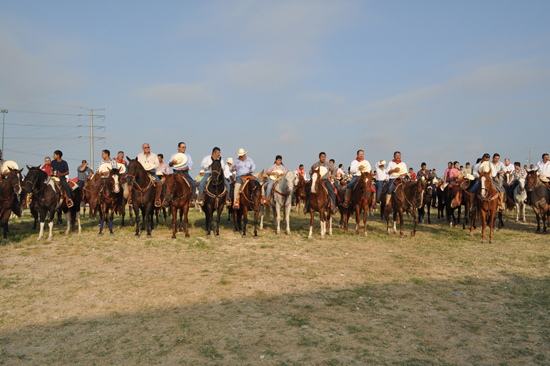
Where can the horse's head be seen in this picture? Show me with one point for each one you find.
(262, 176)
(419, 190)
(532, 180)
(486, 182)
(521, 184)
(171, 184)
(256, 195)
(13, 179)
(32, 179)
(115, 180)
(290, 180)
(456, 196)
(315, 179)
(133, 170)
(217, 172)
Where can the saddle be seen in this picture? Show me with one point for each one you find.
(72, 185)
(245, 181)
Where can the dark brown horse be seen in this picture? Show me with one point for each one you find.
(319, 201)
(250, 198)
(453, 201)
(362, 199)
(406, 197)
(10, 187)
(540, 198)
(89, 198)
(487, 201)
(143, 194)
(429, 198)
(177, 198)
(300, 191)
(109, 197)
(215, 195)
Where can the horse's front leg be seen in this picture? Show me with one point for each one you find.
(323, 222)
(277, 214)
(111, 220)
(149, 219)
(256, 214)
(101, 219)
(365, 220)
(174, 211)
(415, 222)
(311, 223)
(68, 219)
(483, 218)
(401, 222)
(136, 214)
(220, 209)
(358, 218)
(185, 213)
(288, 207)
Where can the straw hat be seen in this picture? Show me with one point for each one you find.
(180, 160)
(158, 172)
(399, 171)
(121, 168)
(383, 162)
(242, 152)
(364, 166)
(230, 160)
(148, 166)
(469, 177)
(278, 171)
(322, 171)
(104, 168)
(9, 164)
(202, 171)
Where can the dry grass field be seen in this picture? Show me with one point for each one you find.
(441, 298)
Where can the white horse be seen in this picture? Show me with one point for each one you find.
(520, 195)
(282, 197)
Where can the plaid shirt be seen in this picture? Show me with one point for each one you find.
(332, 170)
(516, 174)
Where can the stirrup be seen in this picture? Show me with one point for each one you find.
(346, 204)
(70, 203)
(201, 202)
(228, 201)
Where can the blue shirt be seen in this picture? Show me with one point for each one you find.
(189, 162)
(244, 167)
(60, 166)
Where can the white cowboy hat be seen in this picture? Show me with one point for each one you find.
(230, 160)
(364, 166)
(159, 172)
(104, 168)
(469, 177)
(399, 171)
(121, 168)
(9, 164)
(180, 159)
(273, 177)
(202, 171)
(148, 166)
(242, 152)
(383, 162)
(322, 171)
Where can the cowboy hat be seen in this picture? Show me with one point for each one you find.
(469, 177)
(202, 171)
(383, 162)
(364, 166)
(322, 171)
(148, 166)
(104, 168)
(180, 159)
(399, 170)
(242, 152)
(9, 164)
(121, 168)
(278, 171)
(230, 160)
(159, 173)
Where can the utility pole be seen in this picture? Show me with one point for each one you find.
(530, 149)
(3, 111)
(92, 133)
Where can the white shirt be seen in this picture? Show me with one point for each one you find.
(544, 169)
(509, 168)
(207, 161)
(495, 168)
(353, 169)
(381, 174)
(401, 165)
(152, 159)
(475, 170)
(227, 172)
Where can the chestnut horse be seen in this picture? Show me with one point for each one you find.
(109, 197)
(540, 198)
(178, 199)
(319, 201)
(10, 186)
(406, 197)
(88, 198)
(487, 204)
(250, 198)
(362, 199)
(143, 194)
(453, 201)
(300, 191)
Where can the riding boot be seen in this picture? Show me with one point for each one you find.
(389, 208)
(158, 186)
(237, 193)
(348, 196)
(501, 203)
(228, 200)
(201, 200)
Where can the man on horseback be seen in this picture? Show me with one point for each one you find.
(151, 163)
(182, 167)
(244, 167)
(206, 164)
(60, 169)
(356, 172)
(275, 171)
(329, 175)
(396, 169)
(381, 178)
(120, 158)
(515, 176)
(300, 171)
(106, 159)
(543, 167)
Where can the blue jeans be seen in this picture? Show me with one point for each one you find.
(391, 186)
(477, 184)
(157, 179)
(81, 184)
(379, 185)
(512, 188)
(269, 188)
(190, 180)
(330, 191)
(352, 182)
(204, 180)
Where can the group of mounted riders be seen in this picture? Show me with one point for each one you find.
(145, 184)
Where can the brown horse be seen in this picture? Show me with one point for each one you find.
(429, 198)
(250, 198)
(178, 199)
(319, 201)
(406, 197)
(487, 201)
(300, 191)
(109, 197)
(453, 201)
(540, 198)
(362, 200)
(10, 187)
(143, 194)
(89, 198)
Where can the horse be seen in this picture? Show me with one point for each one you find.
(143, 194)
(487, 203)
(520, 195)
(282, 197)
(362, 199)
(10, 187)
(109, 197)
(406, 197)
(48, 199)
(466, 187)
(215, 194)
(453, 201)
(89, 198)
(178, 199)
(300, 189)
(319, 201)
(250, 198)
(439, 194)
(428, 200)
(540, 198)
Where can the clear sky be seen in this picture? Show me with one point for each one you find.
(437, 80)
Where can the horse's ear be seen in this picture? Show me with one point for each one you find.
(28, 167)
(20, 170)
(127, 158)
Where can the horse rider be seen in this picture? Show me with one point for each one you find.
(300, 171)
(60, 169)
(543, 167)
(396, 169)
(183, 169)
(228, 172)
(354, 170)
(500, 168)
(515, 175)
(329, 175)
(452, 173)
(340, 174)
(381, 178)
(484, 160)
(206, 164)
(46, 167)
(106, 159)
(275, 171)
(244, 167)
(120, 158)
(149, 159)
(423, 173)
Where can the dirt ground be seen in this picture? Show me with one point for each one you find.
(441, 298)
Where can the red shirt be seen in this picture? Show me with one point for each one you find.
(123, 162)
(46, 168)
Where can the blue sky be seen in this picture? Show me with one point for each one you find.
(437, 80)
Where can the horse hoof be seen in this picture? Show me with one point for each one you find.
(322, 237)
(99, 234)
(402, 236)
(173, 237)
(491, 242)
(287, 236)
(244, 236)
(149, 236)
(187, 235)
(111, 233)
(483, 241)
